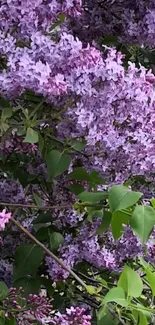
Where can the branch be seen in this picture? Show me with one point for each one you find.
(49, 207)
(116, 316)
(33, 206)
(48, 252)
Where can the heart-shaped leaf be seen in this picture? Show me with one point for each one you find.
(142, 221)
(120, 197)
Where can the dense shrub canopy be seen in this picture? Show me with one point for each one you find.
(77, 162)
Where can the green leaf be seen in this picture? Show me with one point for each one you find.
(77, 145)
(120, 197)
(92, 197)
(37, 199)
(96, 212)
(44, 217)
(105, 222)
(28, 258)
(131, 282)
(31, 136)
(57, 163)
(116, 295)
(6, 112)
(2, 320)
(103, 282)
(41, 142)
(91, 290)
(151, 279)
(10, 321)
(62, 17)
(4, 103)
(52, 161)
(63, 164)
(105, 319)
(4, 291)
(95, 179)
(21, 131)
(142, 221)
(142, 319)
(79, 174)
(42, 234)
(56, 239)
(118, 219)
(76, 188)
(153, 203)
(29, 285)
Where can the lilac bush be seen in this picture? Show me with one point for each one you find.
(77, 119)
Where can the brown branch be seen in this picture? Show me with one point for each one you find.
(33, 206)
(50, 207)
(48, 252)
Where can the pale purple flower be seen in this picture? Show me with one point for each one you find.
(4, 218)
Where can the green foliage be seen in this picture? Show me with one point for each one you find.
(56, 239)
(31, 136)
(76, 188)
(92, 197)
(57, 163)
(79, 174)
(142, 221)
(105, 222)
(142, 319)
(120, 197)
(29, 284)
(28, 258)
(118, 219)
(116, 295)
(150, 276)
(4, 291)
(77, 145)
(131, 282)
(91, 290)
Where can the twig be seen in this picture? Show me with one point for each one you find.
(115, 315)
(88, 278)
(59, 261)
(33, 206)
(49, 207)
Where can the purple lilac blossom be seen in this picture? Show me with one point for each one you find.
(4, 218)
(15, 144)
(131, 21)
(120, 129)
(11, 191)
(6, 271)
(73, 316)
(37, 308)
(101, 251)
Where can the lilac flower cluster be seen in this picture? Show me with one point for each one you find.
(34, 308)
(131, 21)
(11, 191)
(84, 247)
(122, 125)
(38, 308)
(6, 271)
(15, 144)
(73, 316)
(61, 195)
(120, 130)
(21, 19)
(101, 251)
